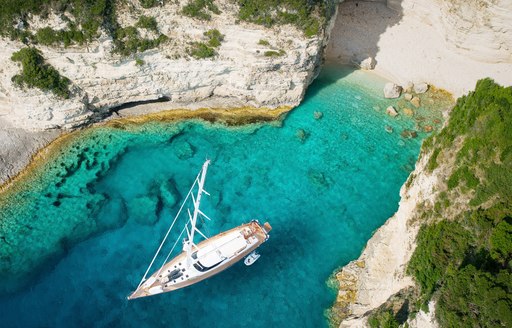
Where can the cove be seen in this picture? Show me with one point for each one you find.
(78, 234)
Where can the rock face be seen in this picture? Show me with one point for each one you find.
(241, 75)
(392, 90)
(446, 43)
(17, 147)
(380, 270)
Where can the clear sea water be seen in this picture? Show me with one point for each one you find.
(76, 237)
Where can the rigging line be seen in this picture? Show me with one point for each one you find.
(185, 228)
(169, 230)
(172, 249)
(206, 227)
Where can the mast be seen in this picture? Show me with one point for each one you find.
(189, 243)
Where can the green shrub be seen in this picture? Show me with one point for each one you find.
(263, 42)
(214, 38)
(483, 119)
(383, 320)
(48, 36)
(139, 62)
(468, 263)
(308, 15)
(35, 73)
(148, 3)
(90, 15)
(128, 41)
(147, 22)
(463, 174)
(272, 53)
(200, 9)
(439, 246)
(201, 50)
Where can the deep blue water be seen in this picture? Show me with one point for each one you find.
(92, 220)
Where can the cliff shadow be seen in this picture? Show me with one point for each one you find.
(357, 30)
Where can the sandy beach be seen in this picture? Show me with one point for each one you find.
(425, 42)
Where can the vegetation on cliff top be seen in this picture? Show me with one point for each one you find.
(464, 260)
(88, 17)
(36, 73)
(84, 19)
(308, 15)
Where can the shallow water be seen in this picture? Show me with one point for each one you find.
(93, 216)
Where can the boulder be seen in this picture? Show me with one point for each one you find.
(392, 90)
(428, 128)
(367, 64)
(415, 101)
(408, 96)
(420, 87)
(408, 87)
(391, 111)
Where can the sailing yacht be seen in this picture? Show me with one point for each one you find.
(210, 256)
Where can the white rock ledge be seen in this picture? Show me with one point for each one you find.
(240, 74)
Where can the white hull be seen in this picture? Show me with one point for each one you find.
(211, 256)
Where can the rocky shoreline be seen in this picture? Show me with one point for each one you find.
(23, 150)
(447, 56)
(102, 81)
(380, 271)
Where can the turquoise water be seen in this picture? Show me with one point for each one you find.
(77, 239)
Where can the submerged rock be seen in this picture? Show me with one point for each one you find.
(392, 90)
(112, 214)
(143, 210)
(391, 111)
(184, 150)
(415, 101)
(388, 128)
(319, 179)
(408, 111)
(409, 134)
(428, 128)
(302, 135)
(168, 193)
(318, 115)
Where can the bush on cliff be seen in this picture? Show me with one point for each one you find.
(309, 16)
(89, 15)
(147, 22)
(201, 50)
(465, 262)
(35, 73)
(200, 9)
(148, 3)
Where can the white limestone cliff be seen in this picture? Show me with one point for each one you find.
(368, 282)
(241, 75)
(447, 43)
